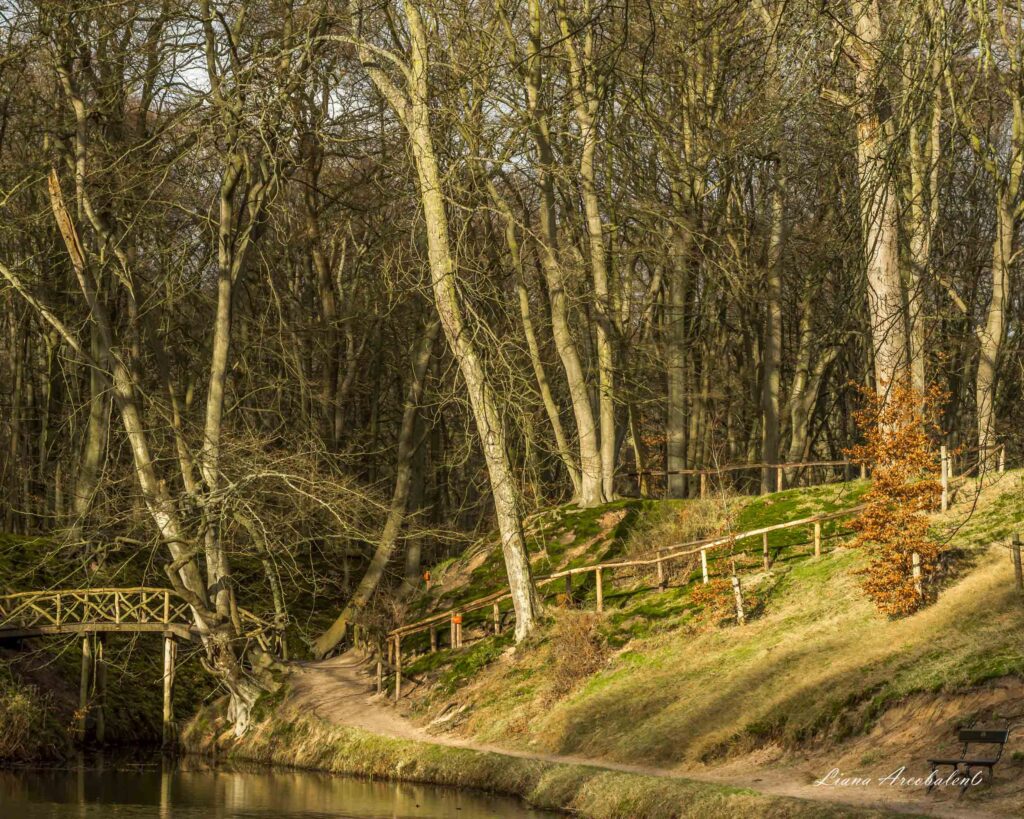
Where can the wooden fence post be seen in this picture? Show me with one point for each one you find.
(170, 654)
(863, 472)
(451, 629)
(703, 484)
(83, 686)
(738, 594)
(496, 614)
(704, 564)
(1002, 458)
(764, 549)
(599, 589)
(944, 476)
(433, 639)
(661, 572)
(568, 589)
(380, 674)
(916, 568)
(1015, 554)
(100, 693)
(398, 666)
(817, 538)
(458, 629)
(780, 478)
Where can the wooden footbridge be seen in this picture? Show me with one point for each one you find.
(94, 613)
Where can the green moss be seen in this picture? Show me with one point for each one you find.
(468, 662)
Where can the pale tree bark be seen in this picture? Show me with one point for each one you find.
(878, 203)
(591, 470)
(808, 375)
(93, 445)
(999, 30)
(924, 156)
(677, 282)
(245, 186)
(586, 98)
(413, 108)
(532, 345)
(877, 195)
(771, 349)
(991, 334)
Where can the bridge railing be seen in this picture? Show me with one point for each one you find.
(140, 604)
(108, 607)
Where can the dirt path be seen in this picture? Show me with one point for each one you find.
(340, 691)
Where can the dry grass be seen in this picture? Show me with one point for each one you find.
(817, 665)
(578, 649)
(685, 521)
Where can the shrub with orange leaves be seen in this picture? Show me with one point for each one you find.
(894, 523)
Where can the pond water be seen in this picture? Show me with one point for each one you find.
(96, 789)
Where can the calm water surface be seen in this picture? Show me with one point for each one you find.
(95, 789)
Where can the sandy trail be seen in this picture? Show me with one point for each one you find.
(340, 690)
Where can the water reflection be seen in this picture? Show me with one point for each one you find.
(97, 788)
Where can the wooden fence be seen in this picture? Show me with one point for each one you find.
(952, 463)
(658, 559)
(786, 475)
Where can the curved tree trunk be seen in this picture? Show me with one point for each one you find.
(399, 499)
(413, 108)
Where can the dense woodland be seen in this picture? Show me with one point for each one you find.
(324, 288)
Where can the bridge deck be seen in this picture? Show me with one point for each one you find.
(179, 630)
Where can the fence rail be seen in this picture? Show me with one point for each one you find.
(786, 475)
(138, 609)
(660, 558)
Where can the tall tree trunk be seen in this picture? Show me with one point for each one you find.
(582, 70)
(878, 205)
(414, 111)
(991, 333)
(93, 444)
(771, 361)
(675, 364)
(591, 492)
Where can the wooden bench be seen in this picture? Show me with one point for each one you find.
(973, 736)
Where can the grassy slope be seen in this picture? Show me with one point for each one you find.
(815, 662)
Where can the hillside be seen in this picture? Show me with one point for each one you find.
(816, 679)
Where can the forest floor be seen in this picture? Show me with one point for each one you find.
(684, 713)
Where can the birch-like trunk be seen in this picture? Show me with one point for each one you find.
(991, 333)
(413, 108)
(878, 205)
(591, 470)
(677, 279)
